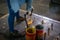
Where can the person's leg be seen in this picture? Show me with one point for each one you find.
(11, 17)
(29, 5)
(17, 15)
(11, 20)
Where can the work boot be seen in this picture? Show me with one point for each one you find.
(16, 34)
(19, 20)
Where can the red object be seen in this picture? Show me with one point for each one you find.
(30, 36)
(39, 33)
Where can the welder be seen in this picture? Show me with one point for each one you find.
(14, 6)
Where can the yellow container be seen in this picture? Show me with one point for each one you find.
(30, 34)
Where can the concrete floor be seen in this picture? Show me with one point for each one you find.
(41, 7)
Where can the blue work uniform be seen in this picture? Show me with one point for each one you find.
(14, 6)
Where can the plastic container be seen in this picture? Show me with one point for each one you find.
(30, 34)
(39, 32)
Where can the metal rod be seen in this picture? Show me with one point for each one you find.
(48, 31)
(26, 20)
(45, 36)
(52, 26)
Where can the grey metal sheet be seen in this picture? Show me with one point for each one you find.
(37, 20)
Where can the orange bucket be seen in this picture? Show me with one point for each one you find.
(30, 34)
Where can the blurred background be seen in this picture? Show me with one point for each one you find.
(48, 8)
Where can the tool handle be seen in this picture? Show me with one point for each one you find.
(25, 19)
(26, 15)
(31, 12)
